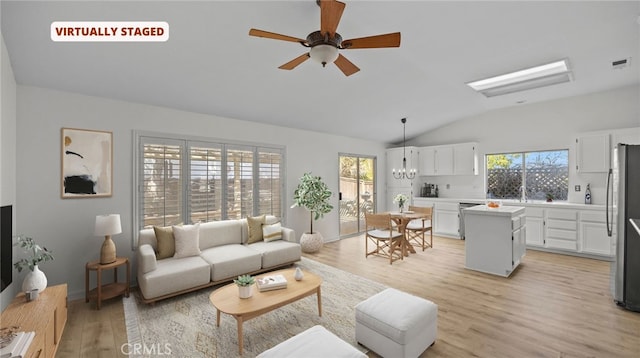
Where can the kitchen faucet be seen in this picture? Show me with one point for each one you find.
(523, 194)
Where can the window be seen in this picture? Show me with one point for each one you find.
(542, 174)
(189, 181)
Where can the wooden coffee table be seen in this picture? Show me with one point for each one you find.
(227, 300)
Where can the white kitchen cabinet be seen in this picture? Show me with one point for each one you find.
(593, 233)
(436, 160)
(495, 242)
(447, 219)
(465, 159)
(593, 153)
(444, 160)
(394, 161)
(561, 229)
(427, 161)
(535, 226)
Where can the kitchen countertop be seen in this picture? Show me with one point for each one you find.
(530, 203)
(500, 211)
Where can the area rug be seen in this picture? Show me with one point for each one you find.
(185, 326)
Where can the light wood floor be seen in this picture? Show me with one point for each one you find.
(552, 306)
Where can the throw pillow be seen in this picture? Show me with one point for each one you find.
(187, 240)
(272, 232)
(255, 228)
(166, 242)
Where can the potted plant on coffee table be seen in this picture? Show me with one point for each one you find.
(245, 285)
(312, 194)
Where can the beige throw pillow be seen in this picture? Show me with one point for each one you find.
(255, 228)
(166, 242)
(187, 240)
(272, 232)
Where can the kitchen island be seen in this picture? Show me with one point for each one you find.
(495, 238)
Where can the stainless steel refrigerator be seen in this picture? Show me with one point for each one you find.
(623, 194)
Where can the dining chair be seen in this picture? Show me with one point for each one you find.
(416, 229)
(388, 241)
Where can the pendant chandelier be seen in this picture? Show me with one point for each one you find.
(403, 173)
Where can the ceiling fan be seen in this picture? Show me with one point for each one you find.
(324, 44)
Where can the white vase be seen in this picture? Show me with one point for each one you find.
(245, 291)
(34, 280)
(298, 275)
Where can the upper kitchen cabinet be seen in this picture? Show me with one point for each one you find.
(394, 161)
(455, 159)
(465, 159)
(593, 154)
(427, 161)
(444, 160)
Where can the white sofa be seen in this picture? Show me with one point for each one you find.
(224, 255)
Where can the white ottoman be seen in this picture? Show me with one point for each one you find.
(316, 341)
(393, 323)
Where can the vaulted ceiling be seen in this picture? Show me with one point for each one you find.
(210, 64)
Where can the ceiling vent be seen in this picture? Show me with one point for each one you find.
(620, 64)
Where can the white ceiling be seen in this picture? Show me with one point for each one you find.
(210, 64)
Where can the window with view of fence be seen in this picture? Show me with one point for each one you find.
(541, 174)
(183, 181)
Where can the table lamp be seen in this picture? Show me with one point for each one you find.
(107, 225)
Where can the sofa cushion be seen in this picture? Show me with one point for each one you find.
(166, 241)
(230, 261)
(218, 233)
(173, 275)
(276, 253)
(255, 228)
(272, 232)
(187, 240)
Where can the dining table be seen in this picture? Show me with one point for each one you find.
(402, 219)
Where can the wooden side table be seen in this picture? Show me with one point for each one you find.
(110, 290)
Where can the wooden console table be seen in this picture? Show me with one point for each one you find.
(46, 316)
(110, 290)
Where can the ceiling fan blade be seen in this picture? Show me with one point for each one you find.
(330, 14)
(346, 66)
(378, 41)
(295, 62)
(273, 35)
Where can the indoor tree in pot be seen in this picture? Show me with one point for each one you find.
(35, 279)
(312, 194)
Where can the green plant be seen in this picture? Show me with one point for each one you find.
(550, 196)
(244, 280)
(312, 194)
(35, 252)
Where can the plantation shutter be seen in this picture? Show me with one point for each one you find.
(239, 182)
(270, 171)
(162, 179)
(205, 183)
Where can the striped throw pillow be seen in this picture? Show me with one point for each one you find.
(272, 232)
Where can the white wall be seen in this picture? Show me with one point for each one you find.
(536, 126)
(7, 151)
(66, 226)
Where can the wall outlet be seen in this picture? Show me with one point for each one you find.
(448, 186)
(577, 188)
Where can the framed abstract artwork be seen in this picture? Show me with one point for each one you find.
(87, 163)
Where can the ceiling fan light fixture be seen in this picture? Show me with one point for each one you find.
(324, 54)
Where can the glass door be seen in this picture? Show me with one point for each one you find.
(357, 192)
